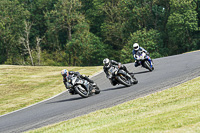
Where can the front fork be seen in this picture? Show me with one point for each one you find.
(149, 59)
(128, 76)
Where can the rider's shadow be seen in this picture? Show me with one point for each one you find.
(66, 100)
(115, 88)
(141, 72)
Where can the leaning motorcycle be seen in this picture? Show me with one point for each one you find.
(82, 87)
(144, 60)
(121, 76)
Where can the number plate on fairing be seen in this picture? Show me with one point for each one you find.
(112, 70)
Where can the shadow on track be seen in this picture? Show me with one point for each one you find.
(141, 72)
(66, 100)
(116, 88)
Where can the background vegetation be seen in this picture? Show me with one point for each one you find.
(83, 32)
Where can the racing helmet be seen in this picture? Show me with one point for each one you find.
(106, 62)
(64, 72)
(136, 46)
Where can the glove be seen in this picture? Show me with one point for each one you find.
(136, 57)
(67, 85)
(119, 65)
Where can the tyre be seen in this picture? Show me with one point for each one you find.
(97, 90)
(81, 91)
(135, 81)
(148, 66)
(123, 80)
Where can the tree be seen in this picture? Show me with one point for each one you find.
(38, 48)
(25, 40)
(62, 20)
(181, 24)
(86, 48)
(149, 40)
(12, 15)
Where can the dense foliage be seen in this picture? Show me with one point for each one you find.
(84, 32)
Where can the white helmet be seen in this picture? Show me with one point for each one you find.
(136, 46)
(106, 62)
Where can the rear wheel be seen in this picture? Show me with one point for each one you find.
(81, 91)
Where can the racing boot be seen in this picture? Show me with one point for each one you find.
(94, 85)
(71, 92)
(113, 82)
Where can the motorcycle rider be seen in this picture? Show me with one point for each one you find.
(107, 64)
(136, 50)
(66, 74)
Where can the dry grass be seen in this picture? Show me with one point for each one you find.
(175, 110)
(21, 86)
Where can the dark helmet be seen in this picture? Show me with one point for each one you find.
(64, 72)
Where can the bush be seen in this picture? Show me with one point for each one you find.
(149, 40)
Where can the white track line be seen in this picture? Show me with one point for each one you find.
(43, 100)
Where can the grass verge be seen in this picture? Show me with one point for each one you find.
(21, 86)
(175, 110)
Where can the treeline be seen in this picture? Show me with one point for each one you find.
(84, 32)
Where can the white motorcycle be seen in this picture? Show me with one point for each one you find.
(144, 60)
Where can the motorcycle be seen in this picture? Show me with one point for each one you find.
(121, 76)
(82, 87)
(144, 60)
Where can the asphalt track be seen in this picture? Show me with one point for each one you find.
(169, 71)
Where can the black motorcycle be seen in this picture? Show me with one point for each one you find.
(122, 77)
(81, 86)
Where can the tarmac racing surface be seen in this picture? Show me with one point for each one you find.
(169, 71)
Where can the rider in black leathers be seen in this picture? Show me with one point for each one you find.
(107, 64)
(67, 74)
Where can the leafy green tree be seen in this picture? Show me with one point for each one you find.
(149, 40)
(37, 9)
(86, 48)
(197, 33)
(83, 32)
(12, 15)
(94, 15)
(181, 24)
(61, 22)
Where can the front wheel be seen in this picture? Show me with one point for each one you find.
(123, 80)
(97, 90)
(148, 66)
(135, 81)
(81, 91)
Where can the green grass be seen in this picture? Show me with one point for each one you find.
(175, 110)
(21, 86)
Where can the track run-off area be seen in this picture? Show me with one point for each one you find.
(169, 71)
